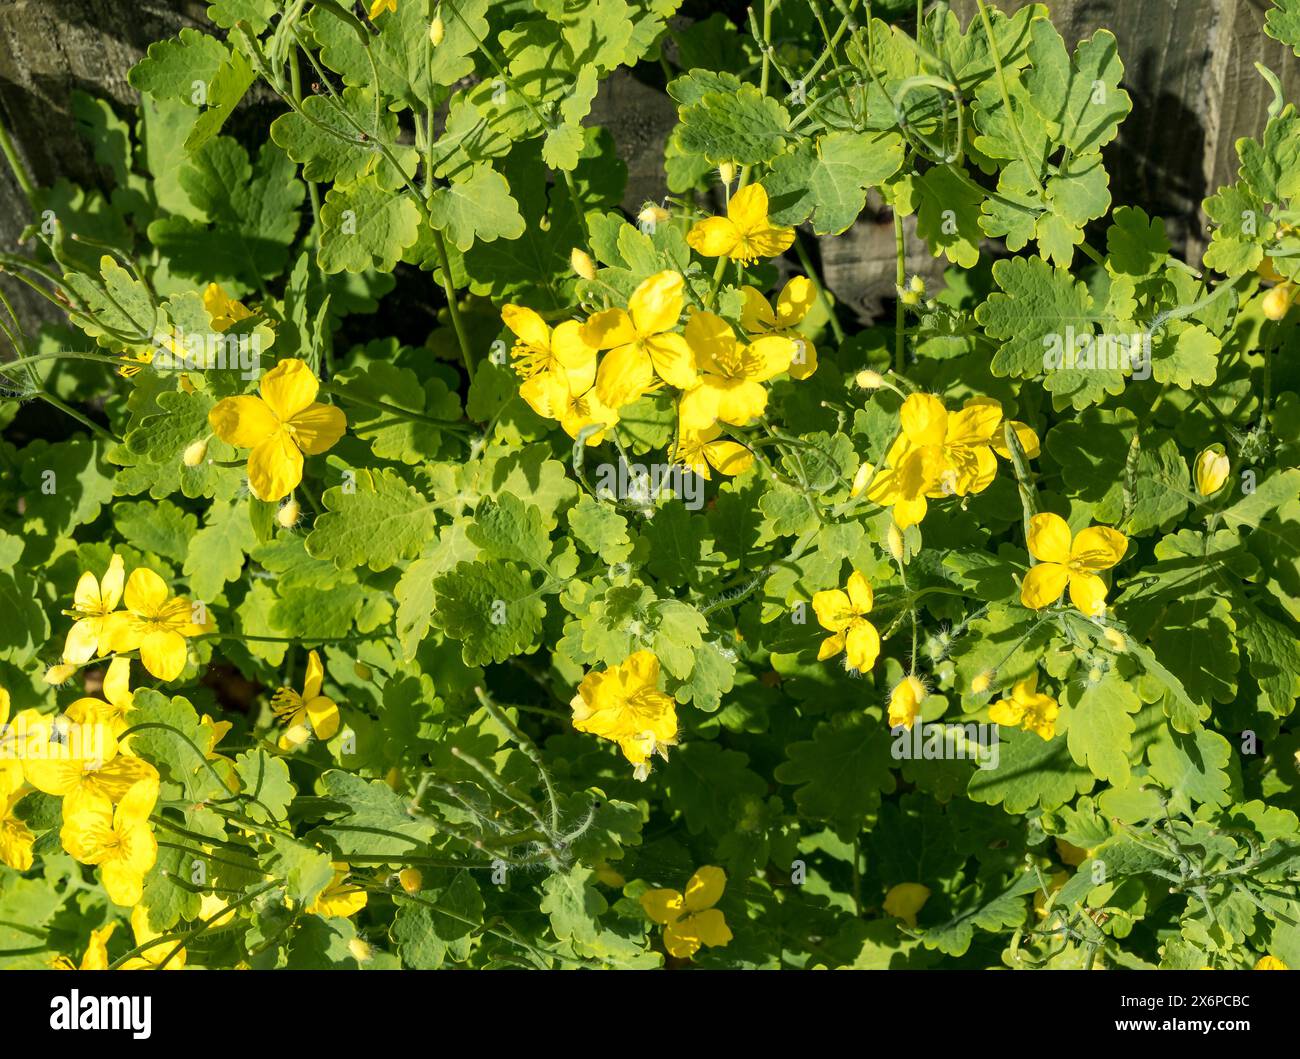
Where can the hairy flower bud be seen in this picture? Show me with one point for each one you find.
(58, 674)
(862, 479)
(363, 671)
(1278, 301)
(411, 880)
(1115, 640)
(288, 514)
(894, 539)
(581, 263)
(436, 30)
(727, 171)
(982, 682)
(195, 453)
(1211, 470)
(869, 380)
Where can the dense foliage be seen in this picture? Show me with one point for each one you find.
(645, 613)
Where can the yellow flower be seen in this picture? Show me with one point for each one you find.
(700, 449)
(757, 317)
(1028, 708)
(905, 900)
(940, 453)
(841, 612)
(224, 310)
(118, 840)
(16, 838)
(1071, 854)
(157, 957)
(157, 623)
(905, 702)
(623, 703)
(745, 234)
(306, 713)
(562, 352)
(1270, 963)
(732, 373)
(378, 7)
(339, 900)
(278, 427)
(93, 603)
(63, 759)
(552, 396)
(1211, 470)
(1063, 560)
(222, 765)
(641, 342)
(690, 920)
(95, 958)
(118, 695)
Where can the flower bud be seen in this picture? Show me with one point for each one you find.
(363, 671)
(869, 380)
(1211, 470)
(360, 950)
(727, 171)
(862, 479)
(894, 540)
(981, 682)
(1278, 301)
(581, 263)
(1115, 640)
(288, 514)
(905, 900)
(652, 215)
(195, 453)
(436, 30)
(58, 674)
(905, 702)
(411, 880)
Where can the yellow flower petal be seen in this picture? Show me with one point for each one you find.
(1043, 585)
(526, 325)
(624, 375)
(163, 652)
(729, 457)
(924, 419)
(1088, 593)
(863, 645)
(1049, 539)
(663, 906)
(795, 301)
(710, 928)
(705, 888)
(1098, 548)
(713, 237)
(833, 608)
(146, 592)
(673, 360)
(318, 427)
(274, 467)
(243, 421)
(289, 388)
(607, 329)
(860, 594)
(324, 716)
(656, 304)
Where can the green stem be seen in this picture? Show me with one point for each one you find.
(806, 261)
(453, 307)
(1006, 96)
(23, 177)
(900, 278)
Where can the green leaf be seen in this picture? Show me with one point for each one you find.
(828, 180)
(743, 126)
(491, 608)
(364, 226)
(948, 212)
(440, 928)
(216, 552)
(1100, 726)
(327, 138)
(375, 821)
(1031, 771)
(177, 68)
(507, 528)
(841, 772)
(573, 904)
(376, 522)
(477, 208)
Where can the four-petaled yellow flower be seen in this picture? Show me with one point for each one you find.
(905, 702)
(278, 427)
(623, 703)
(689, 919)
(641, 342)
(1028, 708)
(842, 612)
(745, 234)
(538, 348)
(1074, 561)
(63, 759)
(552, 396)
(119, 840)
(93, 604)
(306, 713)
(701, 449)
(158, 623)
(339, 900)
(905, 900)
(940, 453)
(732, 373)
(792, 305)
